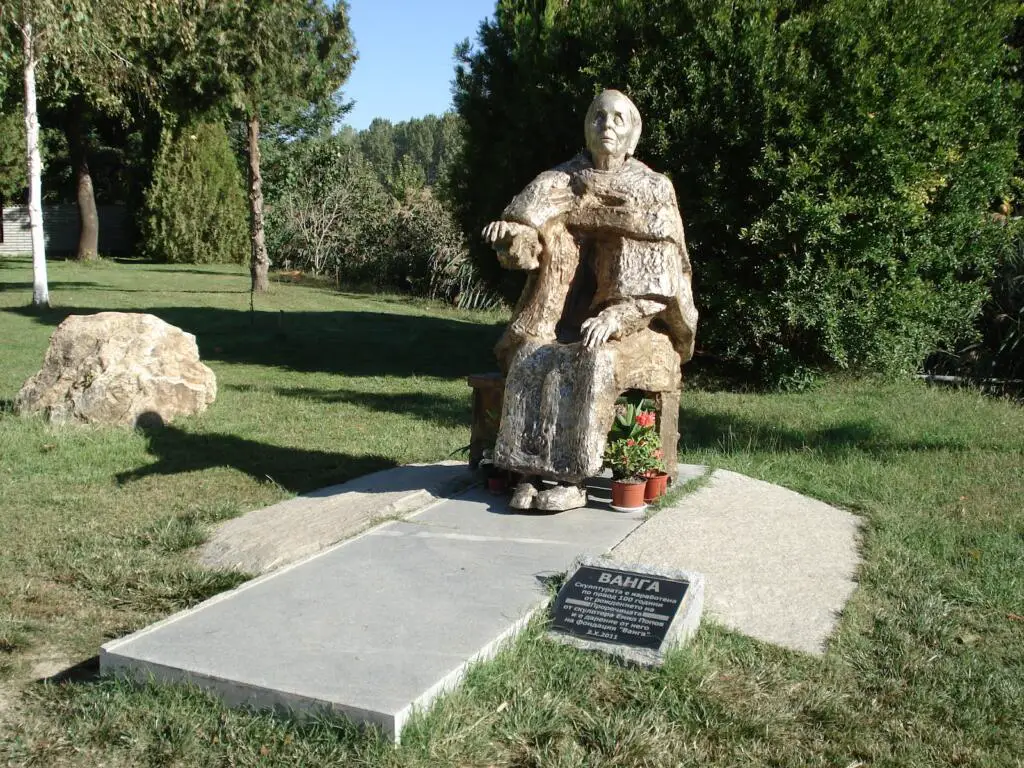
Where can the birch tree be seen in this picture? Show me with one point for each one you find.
(63, 40)
(30, 45)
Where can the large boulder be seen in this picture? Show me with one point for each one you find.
(118, 368)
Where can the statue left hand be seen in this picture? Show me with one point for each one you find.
(597, 330)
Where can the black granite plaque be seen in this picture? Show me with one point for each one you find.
(615, 606)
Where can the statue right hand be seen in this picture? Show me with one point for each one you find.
(518, 245)
(500, 234)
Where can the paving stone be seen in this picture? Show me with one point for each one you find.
(379, 624)
(268, 538)
(779, 566)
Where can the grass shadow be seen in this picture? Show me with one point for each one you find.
(346, 342)
(162, 291)
(53, 285)
(294, 469)
(700, 430)
(444, 411)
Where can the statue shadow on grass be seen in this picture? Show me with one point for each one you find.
(347, 342)
(712, 431)
(298, 470)
(443, 411)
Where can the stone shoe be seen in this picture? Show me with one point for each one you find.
(561, 498)
(524, 496)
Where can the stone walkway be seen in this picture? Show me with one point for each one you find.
(778, 566)
(442, 573)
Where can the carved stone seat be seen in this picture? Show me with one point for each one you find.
(488, 392)
(607, 308)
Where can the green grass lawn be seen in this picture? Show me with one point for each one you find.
(315, 386)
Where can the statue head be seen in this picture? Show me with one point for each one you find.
(612, 126)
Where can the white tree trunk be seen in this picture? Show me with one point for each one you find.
(40, 286)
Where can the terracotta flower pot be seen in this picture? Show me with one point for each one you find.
(628, 495)
(498, 483)
(656, 486)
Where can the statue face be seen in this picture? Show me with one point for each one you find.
(610, 126)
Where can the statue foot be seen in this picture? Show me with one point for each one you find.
(561, 498)
(523, 496)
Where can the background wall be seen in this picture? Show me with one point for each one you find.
(60, 226)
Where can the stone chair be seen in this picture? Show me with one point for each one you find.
(489, 388)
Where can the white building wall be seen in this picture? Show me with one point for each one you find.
(60, 227)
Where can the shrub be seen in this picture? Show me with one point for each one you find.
(430, 256)
(834, 161)
(329, 214)
(195, 209)
(995, 351)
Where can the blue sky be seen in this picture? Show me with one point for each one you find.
(405, 66)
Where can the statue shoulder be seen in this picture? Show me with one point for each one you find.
(658, 183)
(562, 173)
(544, 198)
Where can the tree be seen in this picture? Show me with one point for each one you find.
(82, 71)
(195, 208)
(834, 162)
(377, 143)
(414, 152)
(85, 194)
(65, 42)
(31, 24)
(277, 57)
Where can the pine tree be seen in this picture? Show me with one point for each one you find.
(195, 209)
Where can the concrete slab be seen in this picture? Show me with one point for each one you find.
(379, 624)
(779, 566)
(269, 538)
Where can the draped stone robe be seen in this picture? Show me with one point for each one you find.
(608, 240)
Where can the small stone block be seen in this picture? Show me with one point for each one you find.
(629, 610)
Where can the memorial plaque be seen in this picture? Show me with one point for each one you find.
(609, 605)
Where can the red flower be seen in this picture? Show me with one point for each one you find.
(631, 441)
(645, 419)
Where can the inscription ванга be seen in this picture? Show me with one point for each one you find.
(617, 606)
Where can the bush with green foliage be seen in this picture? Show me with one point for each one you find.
(327, 213)
(1000, 353)
(430, 248)
(330, 214)
(196, 210)
(834, 161)
(994, 354)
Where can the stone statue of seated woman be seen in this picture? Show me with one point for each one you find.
(607, 305)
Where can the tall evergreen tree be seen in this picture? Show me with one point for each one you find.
(834, 162)
(196, 207)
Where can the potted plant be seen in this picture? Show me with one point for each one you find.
(657, 481)
(496, 478)
(633, 452)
